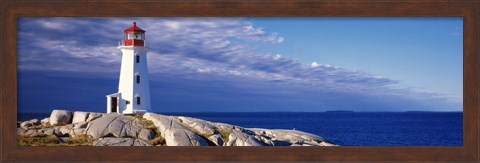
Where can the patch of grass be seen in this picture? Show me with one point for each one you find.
(38, 140)
(52, 140)
(205, 135)
(47, 125)
(158, 139)
(41, 126)
(44, 126)
(147, 123)
(224, 133)
(79, 140)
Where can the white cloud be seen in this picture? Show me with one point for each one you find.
(172, 24)
(53, 25)
(277, 57)
(203, 70)
(314, 64)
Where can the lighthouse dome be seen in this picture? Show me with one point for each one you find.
(134, 28)
(134, 36)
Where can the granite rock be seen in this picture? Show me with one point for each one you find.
(174, 132)
(79, 116)
(114, 125)
(120, 142)
(238, 138)
(60, 117)
(216, 139)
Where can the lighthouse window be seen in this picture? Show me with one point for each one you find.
(137, 59)
(136, 36)
(138, 100)
(138, 78)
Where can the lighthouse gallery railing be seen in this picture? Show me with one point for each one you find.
(122, 43)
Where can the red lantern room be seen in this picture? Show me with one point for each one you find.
(134, 36)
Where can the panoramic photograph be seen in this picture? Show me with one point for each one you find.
(240, 81)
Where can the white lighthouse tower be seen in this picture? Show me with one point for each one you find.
(133, 94)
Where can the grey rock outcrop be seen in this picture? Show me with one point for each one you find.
(60, 117)
(216, 139)
(29, 132)
(228, 127)
(146, 134)
(180, 131)
(174, 132)
(128, 130)
(181, 137)
(49, 131)
(93, 116)
(44, 121)
(201, 126)
(120, 142)
(80, 125)
(99, 127)
(291, 137)
(238, 138)
(30, 123)
(115, 125)
(79, 116)
(63, 131)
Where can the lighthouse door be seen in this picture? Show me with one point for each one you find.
(113, 104)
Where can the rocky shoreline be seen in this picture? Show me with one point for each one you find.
(67, 128)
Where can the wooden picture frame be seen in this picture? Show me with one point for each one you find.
(469, 10)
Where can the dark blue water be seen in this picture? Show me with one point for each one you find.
(350, 128)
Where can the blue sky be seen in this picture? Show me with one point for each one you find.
(248, 64)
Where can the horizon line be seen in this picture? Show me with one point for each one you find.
(331, 111)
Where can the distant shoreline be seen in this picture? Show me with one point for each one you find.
(339, 111)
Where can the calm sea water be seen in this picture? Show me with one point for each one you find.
(349, 128)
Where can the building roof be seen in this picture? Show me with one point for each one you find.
(134, 28)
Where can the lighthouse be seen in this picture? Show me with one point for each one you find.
(133, 94)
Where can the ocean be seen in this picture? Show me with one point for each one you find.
(347, 128)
